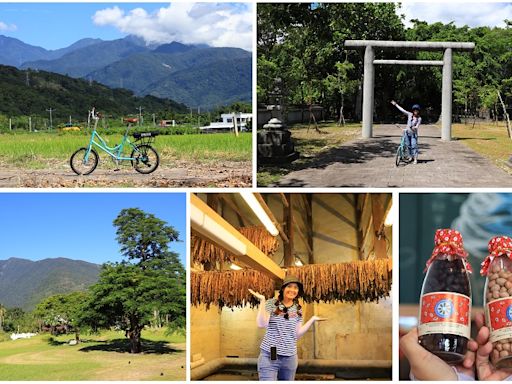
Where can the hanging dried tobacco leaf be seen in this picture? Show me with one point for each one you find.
(204, 251)
(347, 282)
(229, 288)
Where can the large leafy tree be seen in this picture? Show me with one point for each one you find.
(302, 44)
(149, 283)
(62, 310)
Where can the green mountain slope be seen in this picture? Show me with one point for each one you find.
(68, 96)
(220, 83)
(199, 76)
(24, 283)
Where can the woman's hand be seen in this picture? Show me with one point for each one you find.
(393, 102)
(484, 368)
(427, 366)
(257, 295)
(318, 318)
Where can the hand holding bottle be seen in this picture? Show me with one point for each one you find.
(427, 366)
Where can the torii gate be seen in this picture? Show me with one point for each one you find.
(369, 75)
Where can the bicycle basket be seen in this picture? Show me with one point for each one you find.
(145, 137)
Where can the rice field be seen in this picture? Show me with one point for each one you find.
(38, 150)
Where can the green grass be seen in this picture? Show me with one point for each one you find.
(43, 150)
(488, 139)
(312, 145)
(99, 357)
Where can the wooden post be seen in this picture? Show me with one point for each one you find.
(309, 225)
(30, 123)
(378, 212)
(288, 222)
(10, 124)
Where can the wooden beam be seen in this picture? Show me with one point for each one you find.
(283, 199)
(302, 235)
(378, 212)
(205, 221)
(309, 225)
(272, 217)
(288, 222)
(359, 233)
(233, 206)
(346, 197)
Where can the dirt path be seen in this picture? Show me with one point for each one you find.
(183, 174)
(371, 163)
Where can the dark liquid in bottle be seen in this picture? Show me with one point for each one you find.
(446, 276)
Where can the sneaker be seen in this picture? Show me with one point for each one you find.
(415, 161)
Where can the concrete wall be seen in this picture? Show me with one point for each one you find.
(205, 338)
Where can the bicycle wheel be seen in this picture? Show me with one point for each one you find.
(398, 156)
(145, 158)
(78, 163)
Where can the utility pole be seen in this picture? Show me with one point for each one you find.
(27, 79)
(140, 115)
(198, 116)
(154, 120)
(190, 115)
(51, 110)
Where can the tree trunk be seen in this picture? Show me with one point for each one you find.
(134, 334)
(135, 344)
(505, 114)
(342, 117)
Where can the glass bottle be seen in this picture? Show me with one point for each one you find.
(498, 299)
(445, 304)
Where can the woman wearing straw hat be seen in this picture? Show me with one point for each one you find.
(282, 317)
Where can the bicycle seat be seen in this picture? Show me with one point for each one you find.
(139, 135)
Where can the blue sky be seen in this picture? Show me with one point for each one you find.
(79, 226)
(474, 14)
(57, 25)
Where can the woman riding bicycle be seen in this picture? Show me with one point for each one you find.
(411, 133)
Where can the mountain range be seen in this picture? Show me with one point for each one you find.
(28, 92)
(195, 75)
(24, 283)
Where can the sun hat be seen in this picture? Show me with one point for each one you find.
(293, 279)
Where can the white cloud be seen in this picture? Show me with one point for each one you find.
(218, 25)
(473, 14)
(7, 27)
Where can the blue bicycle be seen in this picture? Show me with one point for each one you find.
(403, 153)
(144, 157)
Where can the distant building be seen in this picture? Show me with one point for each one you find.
(243, 123)
(167, 123)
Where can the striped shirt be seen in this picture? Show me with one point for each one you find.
(281, 332)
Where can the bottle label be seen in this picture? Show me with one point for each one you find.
(445, 312)
(499, 314)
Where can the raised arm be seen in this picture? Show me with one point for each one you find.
(400, 108)
(263, 317)
(303, 328)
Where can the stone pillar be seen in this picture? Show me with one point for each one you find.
(446, 103)
(368, 83)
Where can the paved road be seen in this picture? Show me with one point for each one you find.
(371, 163)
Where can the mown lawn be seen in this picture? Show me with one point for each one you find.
(43, 150)
(98, 357)
(311, 145)
(489, 140)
